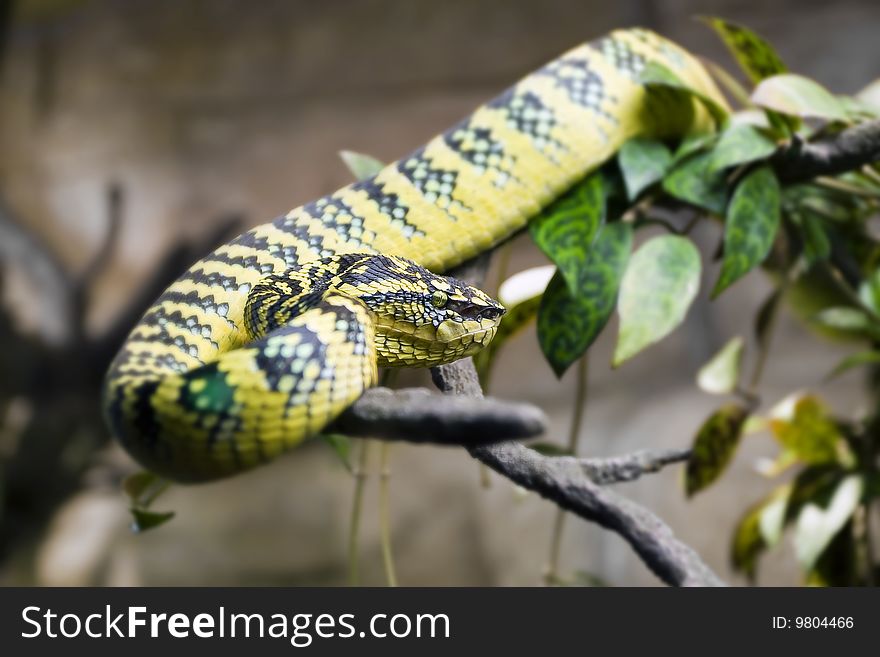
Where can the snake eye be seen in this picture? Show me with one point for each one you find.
(439, 299)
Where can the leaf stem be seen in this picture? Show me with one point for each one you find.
(385, 514)
(841, 186)
(360, 479)
(551, 573)
(751, 393)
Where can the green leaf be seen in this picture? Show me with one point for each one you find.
(738, 144)
(854, 360)
(847, 318)
(341, 446)
(869, 292)
(721, 374)
(691, 181)
(568, 324)
(757, 58)
(643, 162)
(361, 166)
(809, 432)
(795, 95)
(773, 515)
(142, 520)
(838, 565)
(565, 230)
(857, 110)
(143, 487)
(693, 144)
(550, 449)
(817, 525)
(728, 82)
(714, 447)
(656, 75)
(660, 283)
(750, 226)
(521, 295)
(759, 528)
(817, 246)
(870, 95)
(748, 542)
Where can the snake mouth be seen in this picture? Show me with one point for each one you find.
(405, 345)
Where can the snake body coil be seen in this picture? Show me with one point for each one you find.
(263, 342)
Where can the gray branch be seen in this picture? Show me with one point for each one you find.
(847, 150)
(629, 467)
(563, 481)
(420, 416)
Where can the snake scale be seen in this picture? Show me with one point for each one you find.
(262, 343)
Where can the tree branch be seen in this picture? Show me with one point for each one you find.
(849, 149)
(564, 482)
(629, 467)
(417, 415)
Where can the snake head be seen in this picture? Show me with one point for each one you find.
(422, 319)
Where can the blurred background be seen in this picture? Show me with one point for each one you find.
(137, 134)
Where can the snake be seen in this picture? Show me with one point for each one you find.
(261, 344)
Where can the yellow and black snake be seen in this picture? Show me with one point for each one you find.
(266, 340)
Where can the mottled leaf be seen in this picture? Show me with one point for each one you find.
(721, 374)
(142, 520)
(690, 180)
(817, 525)
(568, 324)
(714, 447)
(817, 246)
(849, 319)
(693, 144)
(643, 162)
(757, 58)
(657, 75)
(738, 144)
(809, 432)
(565, 230)
(795, 95)
(361, 166)
(750, 226)
(660, 283)
(759, 528)
(748, 542)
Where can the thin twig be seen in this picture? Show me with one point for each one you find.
(385, 513)
(551, 574)
(630, 467)
(360, 479)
